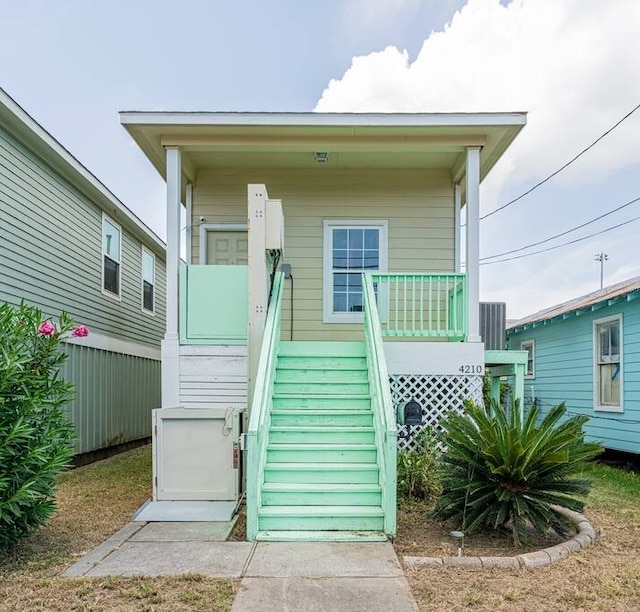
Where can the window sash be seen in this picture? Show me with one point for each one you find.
(608, 386)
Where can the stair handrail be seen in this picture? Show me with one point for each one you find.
(261, 404)
(381, 404)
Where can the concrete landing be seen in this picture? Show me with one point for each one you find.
(310, 576)
(181, 511)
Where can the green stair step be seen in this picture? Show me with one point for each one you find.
(328, 389)
(365, 518)
(324, 418)
(325, 349)
(335, 473)
(321, 453)
(321, 494)
(333, 377)
(321, 536)
(299, 434)
(321, 362)
(330, 400)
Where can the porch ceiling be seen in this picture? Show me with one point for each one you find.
(288, 140)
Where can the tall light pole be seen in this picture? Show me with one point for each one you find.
(602, 257)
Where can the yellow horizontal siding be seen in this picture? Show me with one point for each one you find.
(418, 206)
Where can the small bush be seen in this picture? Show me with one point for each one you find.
(417, 469)
(35, 435)
(502, 470)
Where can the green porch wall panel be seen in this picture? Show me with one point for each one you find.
(113, 397)
(214, 303)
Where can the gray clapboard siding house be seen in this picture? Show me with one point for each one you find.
(67, 243)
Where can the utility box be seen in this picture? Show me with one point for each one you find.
(274, 226)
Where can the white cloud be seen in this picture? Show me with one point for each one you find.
(574, 66)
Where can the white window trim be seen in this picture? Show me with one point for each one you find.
(151, 312)
(114, 296)
(328, 316)
(215, 227)
(523, 347)
(596, 389)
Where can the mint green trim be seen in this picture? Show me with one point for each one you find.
(416, 305)
(382, 406)
(507, 363)
(214, 304)
(261, 406)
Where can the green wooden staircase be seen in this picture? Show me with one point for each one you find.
(321, 474)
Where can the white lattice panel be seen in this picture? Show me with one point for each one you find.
(437, 395)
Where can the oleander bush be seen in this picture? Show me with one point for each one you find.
(36, 437)
(506, 470)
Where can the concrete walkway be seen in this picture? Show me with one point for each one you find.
(309, 576)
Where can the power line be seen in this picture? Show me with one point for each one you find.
(542, 182)
(557, 246)
(573, 229)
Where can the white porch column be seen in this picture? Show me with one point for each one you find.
(457, 203)
(473, 241)
(189, 233)
(171, 344)
(258, 288)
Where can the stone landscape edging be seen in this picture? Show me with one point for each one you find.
(585, 537)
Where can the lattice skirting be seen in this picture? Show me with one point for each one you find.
(437, 395)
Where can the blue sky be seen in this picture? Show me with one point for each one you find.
(73, 64)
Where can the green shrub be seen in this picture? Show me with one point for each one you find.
(35, 435)
(502, 470)
(417, 469)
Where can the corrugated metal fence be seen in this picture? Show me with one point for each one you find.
(114, 396)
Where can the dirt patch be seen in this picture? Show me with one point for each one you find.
(420, 536)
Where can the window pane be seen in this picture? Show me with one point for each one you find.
(148, 267)
(614, 340)
(340, 238)
(339, 302)
(356, 238)
(339, 259)
(355, 259)
(371, 240)
(609, 384)
(340, 282)
(355, 302)
(111, 242)
(371, 260)
(147, 296)
(111, 276)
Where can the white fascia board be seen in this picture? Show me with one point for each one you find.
(324, 119)
(18, 122)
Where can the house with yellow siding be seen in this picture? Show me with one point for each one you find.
(322, 294)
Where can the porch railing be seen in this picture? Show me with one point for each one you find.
(261, 405)
(382, 406)
(421, 305)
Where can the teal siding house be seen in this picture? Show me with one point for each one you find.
(67, 243)
(586, 352)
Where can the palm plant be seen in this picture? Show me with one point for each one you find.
(502, 469)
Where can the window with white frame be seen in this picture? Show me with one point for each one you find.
(529, 346)
(148, 281)
(111, 257)
(607, 337)
(350, 248)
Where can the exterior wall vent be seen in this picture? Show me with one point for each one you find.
(493, 325)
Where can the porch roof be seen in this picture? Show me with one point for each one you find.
(352, 140)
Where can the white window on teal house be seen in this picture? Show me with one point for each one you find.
(529, 346)
(350, 248)
(148, 281)
(608, 363)
(111, 257)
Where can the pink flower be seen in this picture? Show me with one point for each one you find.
(47, 328)
(80, 332)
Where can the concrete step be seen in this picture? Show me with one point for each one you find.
(321, 536)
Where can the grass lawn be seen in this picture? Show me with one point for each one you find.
(94, 501)
(603, 577)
